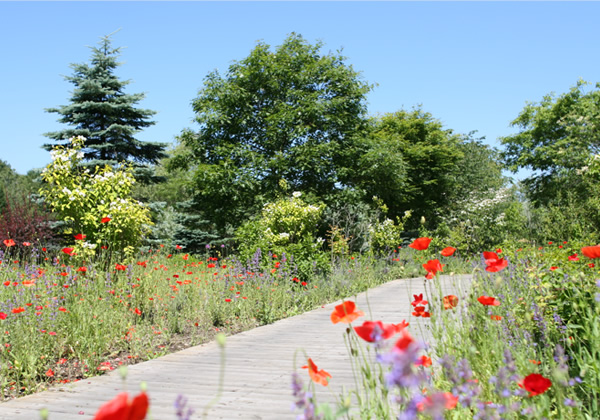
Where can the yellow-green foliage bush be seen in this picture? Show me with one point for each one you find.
(287, 226)
(83, 199)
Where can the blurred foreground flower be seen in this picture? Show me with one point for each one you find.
(122, 408)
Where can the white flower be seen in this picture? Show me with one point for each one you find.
(296, 194)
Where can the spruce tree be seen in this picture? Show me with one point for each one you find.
(105, 115)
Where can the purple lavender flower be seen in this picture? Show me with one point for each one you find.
(181, 410)
(403, 373)
(304, 400)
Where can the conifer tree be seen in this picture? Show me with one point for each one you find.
(105, 115)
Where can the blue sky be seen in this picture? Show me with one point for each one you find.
(472, 65)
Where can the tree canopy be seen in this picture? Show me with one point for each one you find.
(409, 161)
(287, 114)
(104, 114)
(557, 138)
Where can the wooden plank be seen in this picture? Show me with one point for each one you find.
(258, 367)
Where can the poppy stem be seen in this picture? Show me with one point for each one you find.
(217, 397)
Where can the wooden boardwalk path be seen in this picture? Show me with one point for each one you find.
(258, 367)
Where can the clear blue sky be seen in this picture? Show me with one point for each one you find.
(472, 65)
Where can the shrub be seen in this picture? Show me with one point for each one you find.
(24, 221)
(98, 204)
(287, 226)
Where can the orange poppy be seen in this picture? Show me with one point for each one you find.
(345, 313)
(9, 242)
(319, 376)
(450, 301)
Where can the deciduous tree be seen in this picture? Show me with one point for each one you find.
(284, 114)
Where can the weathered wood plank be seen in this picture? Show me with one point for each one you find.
(257, 371)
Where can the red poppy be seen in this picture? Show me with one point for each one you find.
(105, 220)
(178, 246)
(49, 373)
(319, 376)
(553, 268)
(432, 267)
(345, 313)
(9, 242)
(120, 267)
(26, 243)
(448, 251)
(405, 341)
(82, 269)
(488, 301)
(3, 315)
(79, 237)
(493, 262)
(137, 311)
(122, 408)
(419, 300)
(591, 251)
(495, 317)
(450, 301)
(18, 310)
(423, 361)
(68, 251)
(536, 384)
(399, 327)
(420, 244)
(366, 330)
(420, 311)
(573, 257)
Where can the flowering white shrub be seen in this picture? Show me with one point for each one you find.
(84, 199)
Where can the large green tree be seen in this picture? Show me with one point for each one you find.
(409, 160)
(557, 138)
(285, 114)
(104, 114)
